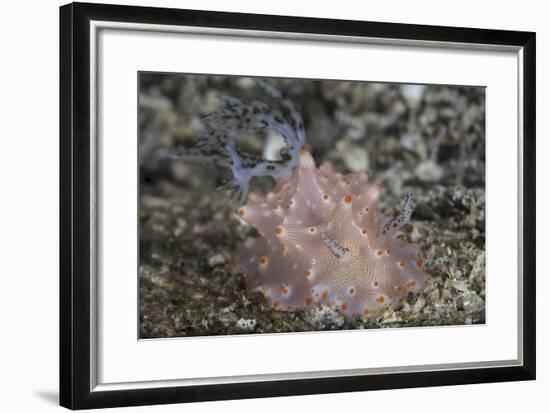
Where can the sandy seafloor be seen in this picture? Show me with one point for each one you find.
(428, 140)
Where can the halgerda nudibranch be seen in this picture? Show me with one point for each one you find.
(321, 240)
(322, 243)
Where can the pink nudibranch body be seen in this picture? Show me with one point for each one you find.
(322, 242)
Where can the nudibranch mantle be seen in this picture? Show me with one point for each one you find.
(322, 242)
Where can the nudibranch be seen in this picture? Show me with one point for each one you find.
(321, 239)
(322, 242)
(217, 144)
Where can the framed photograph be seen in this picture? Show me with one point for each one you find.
(257, 205)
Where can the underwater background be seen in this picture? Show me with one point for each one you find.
(428, 140)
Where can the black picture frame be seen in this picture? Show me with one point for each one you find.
(75, 220)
